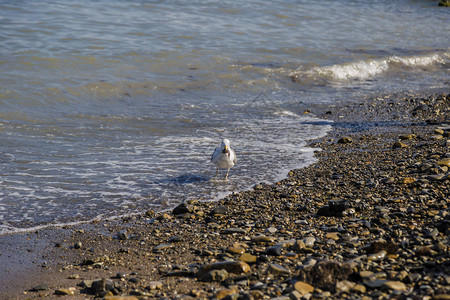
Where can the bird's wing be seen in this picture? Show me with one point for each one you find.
(215, 153)
(234, 159)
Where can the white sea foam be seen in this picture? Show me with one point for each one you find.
(366, 69)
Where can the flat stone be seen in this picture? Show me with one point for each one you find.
(270, 230)
(40, 287)
(235, 250)
(344, 286)
(359, 288)
(377, 256)
(224, 293)
(220, 210)
(235, 267)
(444, 162)
(408, 180)
(303, 288)
(374, 284)
(332, 235)
(263, 239)
(233, 231)
(162, 247)
(394, 285)
(120, 298)
(277, 270)
(248, 258)
(66, 292)
(407, 136)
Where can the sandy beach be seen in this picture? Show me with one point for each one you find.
(369, 220)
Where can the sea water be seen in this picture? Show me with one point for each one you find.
(109, 108)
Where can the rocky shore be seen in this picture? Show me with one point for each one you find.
(369, 220)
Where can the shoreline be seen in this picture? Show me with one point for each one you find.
(373, 215)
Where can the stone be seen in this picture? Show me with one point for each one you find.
(344, 286)
(154, 285)
(345, 140)
(161, 247)
(332, 235)
(277, 270)
(298, 245)
(122, 235)
(112, 297)
(325, 274)
(215, 276)
(219, 211)
(274, 250)
(444, 162)
(408, 180)
(407, 136)
(359, 288)
(224, 293)
(78, 245)
(263, 239)
(399, 145)
(40, 287)
(303, 288)
(235, 267)
(295, 295)
(101, 285)
(309, 241)
(394, 285)
(235, 250)
(233, 231)
(377, 256)
(181, 209)
(270, 230)
(66, 292)
(248, 258)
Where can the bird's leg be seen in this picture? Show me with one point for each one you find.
(226, 176)
(217, 172)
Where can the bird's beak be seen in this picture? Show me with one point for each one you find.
(226, 148)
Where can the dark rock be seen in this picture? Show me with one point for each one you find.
(325, 274)
(220, 210)
(345, 140)
(274, 250)
(376, 247)
(40, 287)
(335, 208)
(181, 209)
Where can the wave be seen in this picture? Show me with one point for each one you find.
(371, 68)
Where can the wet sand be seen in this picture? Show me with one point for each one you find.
(368, 220)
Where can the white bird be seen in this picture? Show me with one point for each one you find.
(224, 157)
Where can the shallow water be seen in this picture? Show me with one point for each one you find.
(111, 108)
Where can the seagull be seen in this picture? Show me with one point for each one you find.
(224, 157)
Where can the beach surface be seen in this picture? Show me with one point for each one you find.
(369, 220)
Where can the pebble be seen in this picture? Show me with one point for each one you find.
(277, 270)
(309, 241)
(154, 285)
(66, 292)
(399, 145)
(235, 267)
(332, 235)
(248, 258)
(344, 286)
(345, 140)
(303, 288)
(444, 162)
(377, 256)
(394, 285)
(233, 231)
(263, 239)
